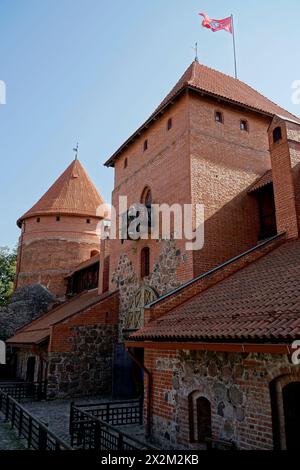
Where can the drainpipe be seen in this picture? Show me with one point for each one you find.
(149, 391)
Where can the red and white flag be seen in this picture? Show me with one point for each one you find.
(217, 25)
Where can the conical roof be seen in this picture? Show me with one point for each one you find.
(73, 193)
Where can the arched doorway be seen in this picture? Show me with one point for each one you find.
(285, 405)
(291, 406)
(30, 369)
(199, 418)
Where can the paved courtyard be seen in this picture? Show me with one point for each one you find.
(8, 438)
(56, 415)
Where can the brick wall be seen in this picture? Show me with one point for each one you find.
(105, 312)
(237, 386)
(81, 349)
(165, 168)
(197, 161)
(50, 249)
(225, 161)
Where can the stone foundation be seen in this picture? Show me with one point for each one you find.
(87, 368)
(236, 385)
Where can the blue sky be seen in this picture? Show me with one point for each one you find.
(93, 70)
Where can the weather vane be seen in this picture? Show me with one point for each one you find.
(75, 149)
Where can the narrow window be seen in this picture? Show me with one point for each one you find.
(38, 219)
(125, 163)
(244, 125)
(145, 262)
(146, 199)
(145, 144)
(88, 221)
(219, 117)
(277, 134)
(169, 124)
(105, 274)
(57, 218)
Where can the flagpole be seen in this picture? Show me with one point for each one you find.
(234, 49)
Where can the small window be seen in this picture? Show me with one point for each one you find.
(57, 218)
(244, 125)
(277, 134)
(38, 219)
(219, 117)
(88, 221)
(94, 253)
(125, 163)
(145, 144)
(169, 124)
(145, 262)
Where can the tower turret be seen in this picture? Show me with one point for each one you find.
(59, 231)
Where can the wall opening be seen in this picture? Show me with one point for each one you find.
(267, 212)
(145, 262)
(277, 134)
(199, 418)
(30, 370)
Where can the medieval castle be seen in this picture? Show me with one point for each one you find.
(205, 336)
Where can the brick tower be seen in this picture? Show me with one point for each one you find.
(59, 231)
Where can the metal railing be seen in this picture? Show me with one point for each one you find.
(89, 430)
(22, 390)
(116, 413)
(36, 434)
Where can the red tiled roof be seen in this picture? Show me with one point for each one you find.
(215, 84)
(259, 302)
(39, 329)
(265, 179)
(85, 264)
(72, 193)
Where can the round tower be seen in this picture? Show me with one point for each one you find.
(59, 231)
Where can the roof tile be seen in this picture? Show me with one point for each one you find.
(261, 301)
(73, 193)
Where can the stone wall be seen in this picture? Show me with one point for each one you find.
(237, 386)
(162, 279)
(27, 304)
(87, 368)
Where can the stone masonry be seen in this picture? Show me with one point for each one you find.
(162, 279)
(236, 385)
(86, 368)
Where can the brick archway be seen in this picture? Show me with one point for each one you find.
(277, 386)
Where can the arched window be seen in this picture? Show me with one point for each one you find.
(145, 262)
(199, 418)
(146, 199)
(277, 134)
